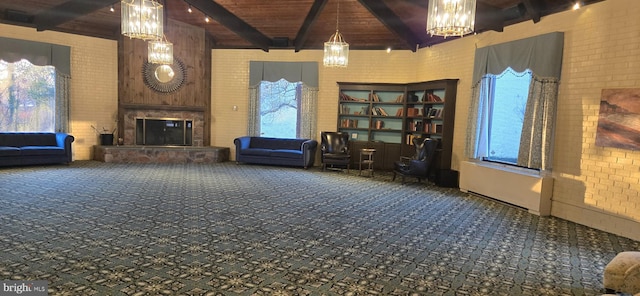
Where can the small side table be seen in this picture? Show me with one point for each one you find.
(366, 160)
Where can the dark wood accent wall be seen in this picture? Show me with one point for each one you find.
(191, 46)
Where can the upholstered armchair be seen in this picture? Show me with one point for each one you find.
(419, 165)
(335, 150)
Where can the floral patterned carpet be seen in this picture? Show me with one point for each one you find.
(94, 228)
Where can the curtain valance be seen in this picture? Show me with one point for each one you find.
(38, 53)
(542, 54)
(307, 72)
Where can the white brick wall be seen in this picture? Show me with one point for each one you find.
(598, 187)
(94, 82)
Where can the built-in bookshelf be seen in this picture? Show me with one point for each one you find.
(387, 116)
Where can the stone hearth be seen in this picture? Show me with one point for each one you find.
(160, 154)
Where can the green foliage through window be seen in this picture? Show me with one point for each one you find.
(27, 97)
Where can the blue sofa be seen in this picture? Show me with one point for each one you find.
(35, 148)
(275, 151)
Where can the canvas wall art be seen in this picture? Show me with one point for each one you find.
(619, 119)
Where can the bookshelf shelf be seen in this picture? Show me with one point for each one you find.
(386, 116)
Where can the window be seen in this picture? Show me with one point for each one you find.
(506, 115)
(279, 105)
(540, 59)
(27, 97)
(283, 99)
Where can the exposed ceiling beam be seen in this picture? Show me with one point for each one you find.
(67, 11)
(534, 9)
(386, 16)
(232, 22)
(488, 18)
(312, 16)
(419, 3)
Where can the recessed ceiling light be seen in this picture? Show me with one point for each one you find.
(576, 6)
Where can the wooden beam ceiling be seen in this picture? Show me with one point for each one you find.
(67, 11)
(311, 18)
(534, 9)
(232, 22)
(386, 16)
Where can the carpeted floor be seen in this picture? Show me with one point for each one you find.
(93, 228)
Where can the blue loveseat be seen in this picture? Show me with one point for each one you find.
(275, 151)
(35, 148)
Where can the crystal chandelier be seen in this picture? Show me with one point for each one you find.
(451, 17)
(160, 52)
(142, 19)
(336, 50)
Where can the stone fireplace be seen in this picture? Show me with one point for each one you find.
(164, 126)
(179, 138)
(164, 131)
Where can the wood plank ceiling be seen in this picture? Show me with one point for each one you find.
(278, 24)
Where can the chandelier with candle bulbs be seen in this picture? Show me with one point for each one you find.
(451, 17)
(336, 50)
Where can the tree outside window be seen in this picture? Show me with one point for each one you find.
(27, 97)
(279, 108)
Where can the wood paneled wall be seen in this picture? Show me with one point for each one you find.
(191, 46)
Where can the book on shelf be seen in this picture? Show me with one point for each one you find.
(399, 112)
(415, 126)
(412, 112)
(382, 111)
(400, 98)
(430, 97)
(409, 139)
(346, 97)
(433, 128)
(433, 112)
(438, 128)
(344, 109)
(349, 123)
(374, 97)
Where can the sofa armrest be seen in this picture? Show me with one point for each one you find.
(309, 152)
(64, 140)
(241, 144)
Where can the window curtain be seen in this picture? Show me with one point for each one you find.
(45, 54)
(478, 129)
(306, 72)
(543, 56)
(62, 111)
(537, 131)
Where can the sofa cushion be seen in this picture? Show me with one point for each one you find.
(28, 139)
(295, 154)
(41, 150)
(275, 143)
(256, 151)
(9, 151)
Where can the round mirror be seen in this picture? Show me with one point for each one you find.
(164, 78)
(164, 73)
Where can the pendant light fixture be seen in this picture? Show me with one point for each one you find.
(142, 19)
(336, 50)
(451, 17)
(160, 51)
